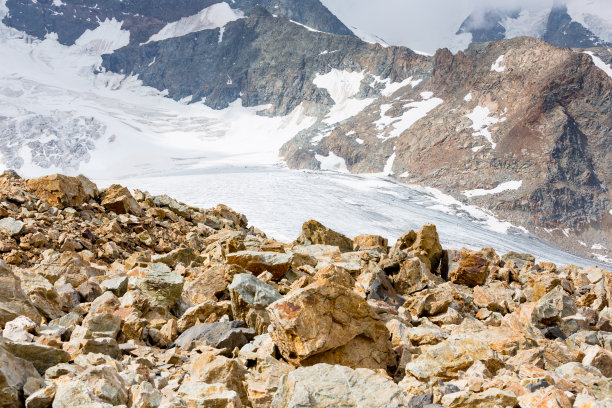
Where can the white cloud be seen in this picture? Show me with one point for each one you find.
(423, 25)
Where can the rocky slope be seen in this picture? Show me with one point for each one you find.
(518, 115)
(113, 299)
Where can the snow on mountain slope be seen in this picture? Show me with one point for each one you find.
(215, 16)
(107, 123)
(596, 15)
(434, 24)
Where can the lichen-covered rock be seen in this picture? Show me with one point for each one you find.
(118, 199)
(467, 267)
(62, 191)
(258, 262)
(326, 322)
(313, 232)
(14, 372)
(221, 335)
(324, 385)
(13, 301)
(444, 360)
(201, 395)
(162, 286)
(40, 355)
(250, 297)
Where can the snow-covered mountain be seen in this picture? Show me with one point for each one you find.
(455, 24)
(150, 88)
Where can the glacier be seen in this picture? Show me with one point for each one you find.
(61, 113)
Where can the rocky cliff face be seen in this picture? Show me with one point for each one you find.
(71, 18)
(261, 59)
(109, 298)
(519, 115)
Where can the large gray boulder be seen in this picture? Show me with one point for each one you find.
(250, 297)
(324, 385)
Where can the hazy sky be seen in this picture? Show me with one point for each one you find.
(423, 25)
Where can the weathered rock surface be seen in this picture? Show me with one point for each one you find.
(326, 322)
(313, 232)
(259, 262)
(250, 297)
(324, 385)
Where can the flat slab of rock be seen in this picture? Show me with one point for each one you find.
(41, 356)
(324, 385)
(258, 262)
(221, 335)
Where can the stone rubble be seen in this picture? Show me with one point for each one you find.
(113, 298)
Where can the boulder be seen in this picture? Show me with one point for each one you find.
(467, 267)
(425, 240)
(41, 292)
(313, 232)
(221, 335)
(491, 398)
(413, 276)
(14, 372)
(162, 286)
(201, 395)
(13, 301)
(203, 313)
(554, 306)
(327, 322)
(262, 382)
(62, 191)
(600, 358)
(10, 227)
(211, 369)
(250, 297)
(376, 242)
(549, 397)
(446, 359)
(324, 385)
(118, 286)
(41, 356)
(118, 199)
(258, 262)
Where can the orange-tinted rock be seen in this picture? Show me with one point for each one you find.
(118, 199)
(62, 191)
(467, 267)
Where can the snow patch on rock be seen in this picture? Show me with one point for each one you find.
(600, 64)
(481, 120)
(509, 185)
(342, 86)
(497, 65)
(215, 16)
(415, 111)
(332, 162)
